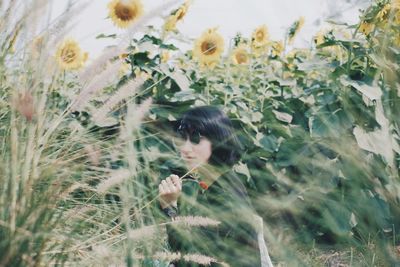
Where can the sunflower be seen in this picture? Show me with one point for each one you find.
(277, 48)
(260, 37)
(124, 69)
(240, 55)
(295, 28)
(396, 4)
(70, 56)
(396, 40)
(366, 27)
(383, 14)
(177, 15)
(181, 12)
(123, 56)
(299, 53)
(170, 23)
(208, 48)
(124, 12)
(335, 52)
(164, 57)
(397, 17)
(319, 38)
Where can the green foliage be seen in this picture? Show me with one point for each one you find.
(319, 128)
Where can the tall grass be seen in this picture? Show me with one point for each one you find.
(64, 195)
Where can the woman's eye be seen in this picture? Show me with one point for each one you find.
(178, 140)
(195, 139)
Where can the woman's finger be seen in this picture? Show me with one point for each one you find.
(171, 185)
(165, 187)
(161, 190)
(177, 182)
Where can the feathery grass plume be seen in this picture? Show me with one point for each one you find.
(25, 105)
(55, 30)
(78, 211)
(95, 86)
(98, 65)
(200, 259)
(93, 153)
(72, 188)
(57, 27)
(132, 196)
(117, 177)
(141, 111)
(196, 221)
(144, 232)
(15, 27)
(124, 93)
(167, 256)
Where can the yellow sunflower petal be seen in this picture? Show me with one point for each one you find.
(124, 12)
(181, 12)
(396, 40)
(395, 4)
(383, 14)
(208, 48)
(176, 15)
(240, 56)
(366, 27)
(319, 38)
(294, 30)
(165, 56)
(70, 56)
(170, 23)
(277, 48)
(260, 36)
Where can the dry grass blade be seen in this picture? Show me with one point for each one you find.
(196, 221)
(117, 177)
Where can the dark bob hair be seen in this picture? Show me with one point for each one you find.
(212, 123)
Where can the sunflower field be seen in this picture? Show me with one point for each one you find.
(86, 141)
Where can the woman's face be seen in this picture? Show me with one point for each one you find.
(194, 154)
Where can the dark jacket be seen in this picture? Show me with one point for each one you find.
(233, 241)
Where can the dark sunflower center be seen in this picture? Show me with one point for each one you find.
(260, 35)
(181, 14)
(241, 58)
(124, 13)
(208, 47)
(68, 55)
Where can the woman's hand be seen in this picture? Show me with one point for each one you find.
(169, 190)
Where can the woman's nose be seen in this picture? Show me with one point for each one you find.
(186, 146)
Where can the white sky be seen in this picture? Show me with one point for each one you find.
(231, 16)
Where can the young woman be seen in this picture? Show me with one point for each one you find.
(209, 148)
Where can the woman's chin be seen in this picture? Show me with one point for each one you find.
(191, 164)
